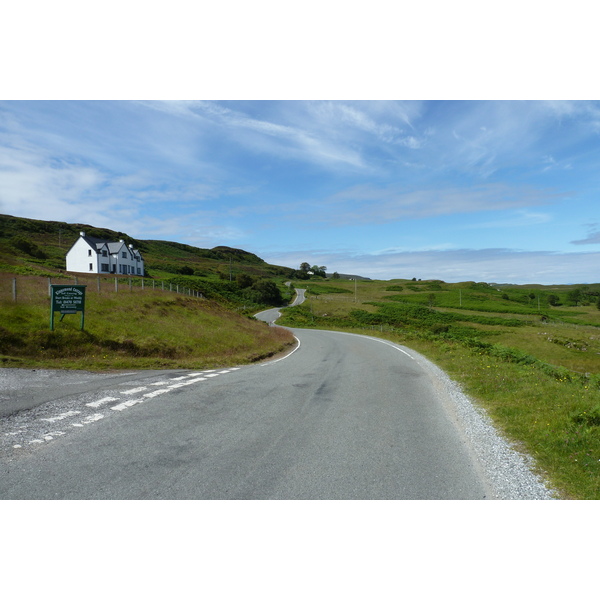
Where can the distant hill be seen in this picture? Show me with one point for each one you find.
(34, 245)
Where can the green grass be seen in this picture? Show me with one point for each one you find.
(537, 373)
(141, 329)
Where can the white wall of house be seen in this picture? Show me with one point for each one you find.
(90, 256)
(82, 258)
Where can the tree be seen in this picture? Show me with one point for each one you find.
(574, 296)
(336, 275)
(265, 291)
(244, 280)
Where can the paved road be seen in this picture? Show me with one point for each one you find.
(342, 417)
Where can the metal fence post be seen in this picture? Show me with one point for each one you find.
(14, 289)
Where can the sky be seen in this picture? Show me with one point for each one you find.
(385, 143)
(496, 191)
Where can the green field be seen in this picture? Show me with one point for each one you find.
(530, 355)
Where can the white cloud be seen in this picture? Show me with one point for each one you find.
(489, 265)
(369, 204)
(519, 218)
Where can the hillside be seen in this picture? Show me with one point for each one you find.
(148, 326)
(29, 245)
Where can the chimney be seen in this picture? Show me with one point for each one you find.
(82, 233)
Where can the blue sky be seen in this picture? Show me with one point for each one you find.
(497, 191)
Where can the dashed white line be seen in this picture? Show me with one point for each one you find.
(126, 404)
(156, 393)
(135, 390)
(184, 380)
(66, 415)
(93, 418)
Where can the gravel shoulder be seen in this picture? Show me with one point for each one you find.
(510, 473)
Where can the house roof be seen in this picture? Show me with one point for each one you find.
(113, 247)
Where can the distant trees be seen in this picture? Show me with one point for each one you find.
(306, 271)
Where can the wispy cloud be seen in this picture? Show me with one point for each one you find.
(519, 218)
(593, 236)
(496, 265)
(370, 204)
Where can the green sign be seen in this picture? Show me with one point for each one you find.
(68, 300)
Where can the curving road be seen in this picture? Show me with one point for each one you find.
(340, 417)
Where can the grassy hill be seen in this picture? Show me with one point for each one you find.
(137, 323)
(29, 246)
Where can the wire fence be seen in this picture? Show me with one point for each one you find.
(29, 288)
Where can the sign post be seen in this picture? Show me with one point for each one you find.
(68, 300)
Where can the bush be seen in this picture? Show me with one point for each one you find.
(24, 245)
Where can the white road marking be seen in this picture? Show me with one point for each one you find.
(390, 344)
(185, 380)
(272, 362)
(93, 418)
(155, 393)
(66, 415)
(135, 390)
(126, 404)
(98, 403)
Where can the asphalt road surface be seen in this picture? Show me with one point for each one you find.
(340, 417)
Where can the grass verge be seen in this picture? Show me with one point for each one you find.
(142, 331)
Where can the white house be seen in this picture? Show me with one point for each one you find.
(92, 255)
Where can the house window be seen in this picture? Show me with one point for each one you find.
(104, 267)
(91, 267)
(104, 253)
(124, 254)
(89, 252)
